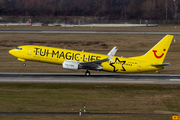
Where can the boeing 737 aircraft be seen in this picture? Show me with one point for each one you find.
(74, 60)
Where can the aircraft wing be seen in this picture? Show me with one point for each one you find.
(163, 64)
(93, 65)
(96, 65)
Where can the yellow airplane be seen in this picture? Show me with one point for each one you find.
(74, 60)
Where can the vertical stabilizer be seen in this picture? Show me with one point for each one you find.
(157, 53)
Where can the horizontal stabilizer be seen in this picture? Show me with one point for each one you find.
(163, 64)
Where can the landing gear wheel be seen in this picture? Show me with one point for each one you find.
(87, 73)
(24, 64)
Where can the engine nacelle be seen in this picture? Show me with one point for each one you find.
(71, 65)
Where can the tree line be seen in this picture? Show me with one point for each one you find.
(112, 9)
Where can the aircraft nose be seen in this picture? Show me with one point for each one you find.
(11, 51)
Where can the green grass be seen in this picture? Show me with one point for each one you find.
(97, 98)
(81, 118)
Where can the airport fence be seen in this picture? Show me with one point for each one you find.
(81, 20)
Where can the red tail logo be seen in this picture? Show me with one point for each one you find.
(155, 51)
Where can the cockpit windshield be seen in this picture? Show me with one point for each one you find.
(19, 48)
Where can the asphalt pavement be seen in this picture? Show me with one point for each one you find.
(90, 32)
(94, 78)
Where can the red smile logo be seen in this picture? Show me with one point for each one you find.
(155, 51)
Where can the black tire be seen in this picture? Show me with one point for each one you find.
(24, 64)
(87, 73)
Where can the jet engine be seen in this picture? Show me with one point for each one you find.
(71, 65)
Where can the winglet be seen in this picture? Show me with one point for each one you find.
(112, 53)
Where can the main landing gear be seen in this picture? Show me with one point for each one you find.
(87, 73)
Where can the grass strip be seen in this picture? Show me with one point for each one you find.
(97, 98)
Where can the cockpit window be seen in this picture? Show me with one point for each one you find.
(19, 48)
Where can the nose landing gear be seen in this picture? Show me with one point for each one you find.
(24, 64)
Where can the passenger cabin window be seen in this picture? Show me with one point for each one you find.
(19, 48)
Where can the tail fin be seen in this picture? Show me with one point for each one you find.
(157, 54)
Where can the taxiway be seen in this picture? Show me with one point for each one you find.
(89, 32)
